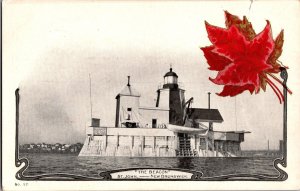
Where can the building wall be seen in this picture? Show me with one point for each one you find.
(125, 102)
(164, 96)
(147, 114)
(117, 120)
(228, 136)
(139, 132)
(176, 106)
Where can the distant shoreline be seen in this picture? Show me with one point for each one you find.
(56, 148)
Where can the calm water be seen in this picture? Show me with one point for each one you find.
(91, 166)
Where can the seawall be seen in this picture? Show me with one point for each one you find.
(129, 142)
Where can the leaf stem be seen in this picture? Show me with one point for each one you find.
(276, 90)
(278, 80)
(282, 64)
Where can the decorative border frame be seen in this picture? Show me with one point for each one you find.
(197, 175)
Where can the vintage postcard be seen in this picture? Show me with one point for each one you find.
(150, 95)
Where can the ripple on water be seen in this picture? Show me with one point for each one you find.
(41, 163)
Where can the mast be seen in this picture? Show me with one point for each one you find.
(210, 124)
(91, 105)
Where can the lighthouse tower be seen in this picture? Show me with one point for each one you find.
(171, 96)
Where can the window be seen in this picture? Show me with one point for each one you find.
(129, 113)
(202, 143)
(154, 123)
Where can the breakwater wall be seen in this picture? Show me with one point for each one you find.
(144, 142)
(129, 142)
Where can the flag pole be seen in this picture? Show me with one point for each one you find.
(91, 105)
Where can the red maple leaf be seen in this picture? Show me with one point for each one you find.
(242, 58)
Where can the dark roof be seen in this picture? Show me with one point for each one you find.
(171, 73)
(205, 115)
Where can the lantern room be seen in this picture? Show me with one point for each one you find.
(170, 78)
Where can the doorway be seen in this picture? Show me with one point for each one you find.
(154, 123)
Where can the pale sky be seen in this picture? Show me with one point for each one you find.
(55, 47)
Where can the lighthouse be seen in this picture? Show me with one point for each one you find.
(170, 128)
(172, 96)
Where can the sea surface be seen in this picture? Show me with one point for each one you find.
(45, 163)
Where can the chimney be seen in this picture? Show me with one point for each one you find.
(208, 100)
(210, 123)
(128, 84)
